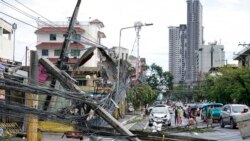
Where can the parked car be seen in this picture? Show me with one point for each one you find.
(171, 110)
(160, 115)
(230, 112)
(216, 110)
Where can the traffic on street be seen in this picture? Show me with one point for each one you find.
(193, 124)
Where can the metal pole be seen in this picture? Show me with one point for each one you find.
(118, 66)
(14, 26)
(137, 28)
(14, 46)
(26, 57)
(119, 52)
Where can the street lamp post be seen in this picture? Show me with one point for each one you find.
(14, 27)
(119, 50)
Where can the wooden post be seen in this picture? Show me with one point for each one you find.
(33, 98)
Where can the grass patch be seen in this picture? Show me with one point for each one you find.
(135, 120)
(189, 130)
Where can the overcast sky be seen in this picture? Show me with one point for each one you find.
(227, 21)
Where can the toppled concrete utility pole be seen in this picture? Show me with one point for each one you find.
(63, 59)
(60, 75)
(98, 109)
(61, 64)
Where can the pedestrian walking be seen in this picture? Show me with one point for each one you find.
(209, 115)
(188, 112)
(179, 115)
(175, 115)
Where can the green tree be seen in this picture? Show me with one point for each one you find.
(181, 92)
(228, 85)
(158, 79)
(141, 94)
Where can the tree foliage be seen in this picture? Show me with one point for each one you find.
(228, 85)
(158, 79)
(141, 94)
(181, 93)
(146, 93)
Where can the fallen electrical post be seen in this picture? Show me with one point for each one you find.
(10, 84)
(65, 80)
(98, 109)
(58, 72)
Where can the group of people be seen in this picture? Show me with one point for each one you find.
(189, 113)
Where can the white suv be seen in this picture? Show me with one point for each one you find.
(160, 115)
(230, 112)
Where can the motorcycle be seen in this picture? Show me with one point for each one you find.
(157, 126)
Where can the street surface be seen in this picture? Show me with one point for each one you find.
(136, 122)
(215, 133)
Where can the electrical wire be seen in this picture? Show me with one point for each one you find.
(34, 11)
(50, 25)
(21, 11)
(34, 18)
(18, 20)
(17, 9)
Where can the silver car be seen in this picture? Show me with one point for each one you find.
(230, 112)
(160, 115)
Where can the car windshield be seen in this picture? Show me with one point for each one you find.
(238, 108)
(217, 106)
(160, 110)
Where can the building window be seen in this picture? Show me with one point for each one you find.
(77, 37)
(82, 82)
(57, 52)
(45, 52)
(75, 52)
(52, 37)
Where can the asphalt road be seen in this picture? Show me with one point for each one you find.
(139, 123)
(215, 133)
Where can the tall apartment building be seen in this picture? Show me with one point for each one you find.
(194, 38)
(210, 55)
(177, 52)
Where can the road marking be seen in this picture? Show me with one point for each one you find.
(128, 126)
(146, 126)
(125, 121)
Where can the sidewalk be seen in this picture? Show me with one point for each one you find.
(130, 117)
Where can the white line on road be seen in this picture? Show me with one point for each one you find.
(146, 126)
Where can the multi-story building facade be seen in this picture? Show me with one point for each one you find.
(6, 45)
(194, 38)
(210, 56)
(6, 48)
(177, 52)
(114, 53)
(50, 40)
